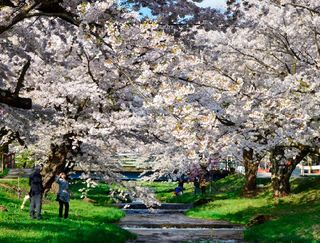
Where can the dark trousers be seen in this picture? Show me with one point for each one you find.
(35, 206)
(203, 189)
(66, 209)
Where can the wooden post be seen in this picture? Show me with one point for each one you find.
(310, 165)
(13, 160)
(19, 189)
(1, 163)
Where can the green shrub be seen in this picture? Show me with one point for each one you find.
(24, 159)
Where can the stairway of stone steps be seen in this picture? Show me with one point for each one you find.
(18, 172)
(167, 223)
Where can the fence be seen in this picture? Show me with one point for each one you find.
(7, 161)
(309, 169)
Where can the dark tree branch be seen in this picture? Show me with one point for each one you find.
(89, 69)
(311, 10)
(8, 98)
(158, 138)
(10, 137)
(19, 17)
(187, 80)
(21, 78)
(225, 121)
(64, 15)
(12, 98)
(45, 8)
(81, 108)
(6, 3)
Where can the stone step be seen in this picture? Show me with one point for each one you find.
(153, 211)
(18, 172)
(174, 220)
(187, 235)
(180, 226)
(177, 227)
(167, 206)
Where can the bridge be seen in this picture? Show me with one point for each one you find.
(309, 170)
(131, 166)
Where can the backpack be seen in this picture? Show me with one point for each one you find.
(35, 184)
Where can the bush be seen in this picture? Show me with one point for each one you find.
(24, 159)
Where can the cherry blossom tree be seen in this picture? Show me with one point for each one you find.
(260, 82)
(79, 68)
(100, 80)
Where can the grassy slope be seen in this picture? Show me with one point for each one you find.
(87, 222)
(100, 194)
(4, 173)
(295, 218)
(164, 192)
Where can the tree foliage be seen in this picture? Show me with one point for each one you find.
(102, 80)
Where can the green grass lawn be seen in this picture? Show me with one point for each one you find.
(99, 194)
(164, 192)
(87, 222)
(295, 218)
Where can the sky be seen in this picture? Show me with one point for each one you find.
(218, 4)
(205, 3)
(213, 3)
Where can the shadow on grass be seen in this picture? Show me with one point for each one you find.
(302, 184)
(292, 228)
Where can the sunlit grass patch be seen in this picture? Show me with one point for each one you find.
(87, 222)
(294, 218)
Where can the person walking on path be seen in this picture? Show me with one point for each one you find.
(196, 184)
(36, 190)
(181, 183)
(203, 185)
(63, 196)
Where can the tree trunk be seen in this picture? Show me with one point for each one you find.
(9, 136)
(55, 165)
(4, 149)
(57, 161)
(282, 169)
(280, 182)
(251, 169)
(14, 101)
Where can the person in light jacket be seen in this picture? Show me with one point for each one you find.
(63, 196)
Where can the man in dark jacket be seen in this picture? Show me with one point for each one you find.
(36, 189)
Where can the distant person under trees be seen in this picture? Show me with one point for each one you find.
(179, 189)
(181, 183)
(196, 184)
(203, 185)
